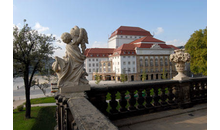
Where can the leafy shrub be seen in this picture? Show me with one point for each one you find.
(20, 107)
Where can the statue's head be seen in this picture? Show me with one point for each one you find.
(74, 31)
(66, 37)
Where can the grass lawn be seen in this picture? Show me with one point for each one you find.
(43, 100)
(42, 118)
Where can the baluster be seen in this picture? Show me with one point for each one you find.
(132, 101)
(113, 103)
(99, 101)
(205, 87)
(65, 117)
(102, 103)
(163, 97)
(140, 99)
(170, 96)
(197, 92)
(123, 102)
(148, 99)
(156, 98)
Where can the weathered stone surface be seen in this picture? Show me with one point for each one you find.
(75, 89)
(87, 117)
(180, 58)
(70, 70)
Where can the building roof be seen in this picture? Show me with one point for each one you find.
(172, 46)
(98, 52)
(127, 30)
(146, 39)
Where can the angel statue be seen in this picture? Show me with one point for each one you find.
(70, 70)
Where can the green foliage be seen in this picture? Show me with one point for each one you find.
(123, 78)
(20, 107)
(30, 51)
(97, 78)
(43, 119)
(163, 74)
(197, 48)
(43, 100)
(143, 75)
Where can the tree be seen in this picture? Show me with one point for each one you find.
(163, 74)
(197, 48)
(123, 79)
(97, 78)
(143, 75)
(29, 50)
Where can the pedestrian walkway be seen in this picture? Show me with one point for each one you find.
(20, 102)
(43, 104)
(194, 118)
(17, 103)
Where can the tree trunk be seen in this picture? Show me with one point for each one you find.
(27, 92)
(28, 103)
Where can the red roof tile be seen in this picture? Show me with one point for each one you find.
(127, 30)
(126, 49)
(146, 39)
(98, 52)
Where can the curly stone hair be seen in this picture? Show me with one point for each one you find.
(66, 37)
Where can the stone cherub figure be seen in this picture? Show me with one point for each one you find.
(70, 69)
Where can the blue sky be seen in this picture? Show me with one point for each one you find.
(172, 21)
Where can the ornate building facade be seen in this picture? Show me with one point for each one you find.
(134, 53)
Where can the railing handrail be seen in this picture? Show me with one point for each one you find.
(145, 84)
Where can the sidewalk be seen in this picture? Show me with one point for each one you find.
(20, 102)
(194, 118)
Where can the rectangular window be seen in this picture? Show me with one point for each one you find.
(89, 70)
(97, 64)
(97, 59)
(89, 65)
(129, 63)
(89, 59)
(133, 62)
(133, 69)
(124, 63)
(93, 65)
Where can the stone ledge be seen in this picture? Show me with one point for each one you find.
(87, 117)
(75, 89)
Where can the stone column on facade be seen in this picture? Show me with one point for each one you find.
(138, 64)
(180, 58)
(149, 77)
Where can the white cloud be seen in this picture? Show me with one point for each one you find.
(176, 42)
(59, 43)
(159, 30)
(40, 28)
(18, 25)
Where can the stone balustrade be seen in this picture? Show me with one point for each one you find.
(123, 100)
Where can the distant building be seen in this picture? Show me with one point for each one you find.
(132, 51)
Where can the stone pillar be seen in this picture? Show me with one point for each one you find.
(182, 93)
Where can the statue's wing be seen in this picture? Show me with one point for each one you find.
(85, 37)
(82, 36)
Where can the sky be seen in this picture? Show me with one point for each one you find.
(172, 21)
